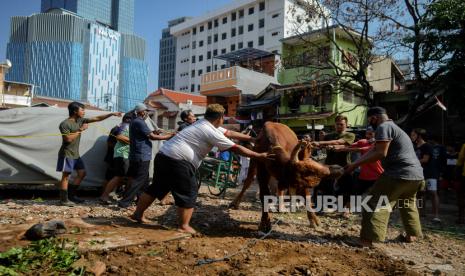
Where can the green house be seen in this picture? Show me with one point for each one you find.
(314, 90)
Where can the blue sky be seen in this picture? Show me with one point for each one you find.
(151, 16)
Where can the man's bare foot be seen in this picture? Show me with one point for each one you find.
(407, 238)
(139, 218)
(365, 243)
(189, 230)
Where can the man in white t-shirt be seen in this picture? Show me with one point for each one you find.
(179, 157)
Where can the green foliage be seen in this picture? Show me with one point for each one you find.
(49, 254)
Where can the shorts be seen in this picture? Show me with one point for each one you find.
(68, 165)
(175, 176)
(120, 166)
(431, 184)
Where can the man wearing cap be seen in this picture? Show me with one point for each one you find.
(140, 154)
(401, 180)
(177, 160)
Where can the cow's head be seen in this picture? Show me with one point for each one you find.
(303, 172)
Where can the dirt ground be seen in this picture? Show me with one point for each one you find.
(293, 248)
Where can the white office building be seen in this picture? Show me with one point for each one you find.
(259, 24)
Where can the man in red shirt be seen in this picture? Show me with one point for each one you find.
(369, 172)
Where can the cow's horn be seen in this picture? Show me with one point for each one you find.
(295, 153)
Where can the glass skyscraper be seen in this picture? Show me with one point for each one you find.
(118, 14)
(75, 54)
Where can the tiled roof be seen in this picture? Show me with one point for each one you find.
(156, 105)
(181, 97)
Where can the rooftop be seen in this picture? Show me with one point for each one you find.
(180, 97)
(244, 55)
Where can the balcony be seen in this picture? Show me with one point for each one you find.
(15, 100)
(234, 81)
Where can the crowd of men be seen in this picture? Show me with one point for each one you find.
(386, 162)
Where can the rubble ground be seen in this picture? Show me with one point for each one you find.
(293, 248)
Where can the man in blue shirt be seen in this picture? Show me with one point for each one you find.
(140, 154)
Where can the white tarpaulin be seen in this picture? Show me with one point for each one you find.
(32, 158)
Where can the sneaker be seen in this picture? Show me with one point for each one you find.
(436, 220)
(76, 199)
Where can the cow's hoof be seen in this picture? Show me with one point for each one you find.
(265, 227)
(314, 224)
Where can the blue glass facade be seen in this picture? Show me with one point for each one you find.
(104, 67)
(118, 14)
(133, 83)
(69, 57)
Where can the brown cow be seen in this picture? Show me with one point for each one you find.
(291, 172)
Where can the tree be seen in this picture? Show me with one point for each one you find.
(432, 31)
(357, 23)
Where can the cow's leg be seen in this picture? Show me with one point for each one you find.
(246, 185)
(312, 218)
(263, 178)
(281, 201)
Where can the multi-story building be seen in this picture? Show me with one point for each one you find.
(167, 55)
(69, 56)
(259, 24)
(117, 14)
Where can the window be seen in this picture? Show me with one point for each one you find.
(241, 30)
(274, 33)
(261, 40)
(251, 10)
(209, 40)
(225, 20)
(193, 44)
(233, 32)
(198, 87)
(209, 68)
(215, 23)
(223, 66)
(233, 47)
(223, 51)
(210, 24)
(194, 31)
(233, 16)
(199, 72)
(193, 59)
(201, 58)
(201, 43)
(240, 45)
(261, 6)
(250, 44)
(215, 38)
(192, 87)
(215, 52)
(201, 28)
(261, 23)
(275, 15)
(193, 74)
(250, 27)
(241, 13)
(223, 36)
(216, 67)
(209, 55)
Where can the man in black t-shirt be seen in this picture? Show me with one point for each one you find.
(431, 171)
